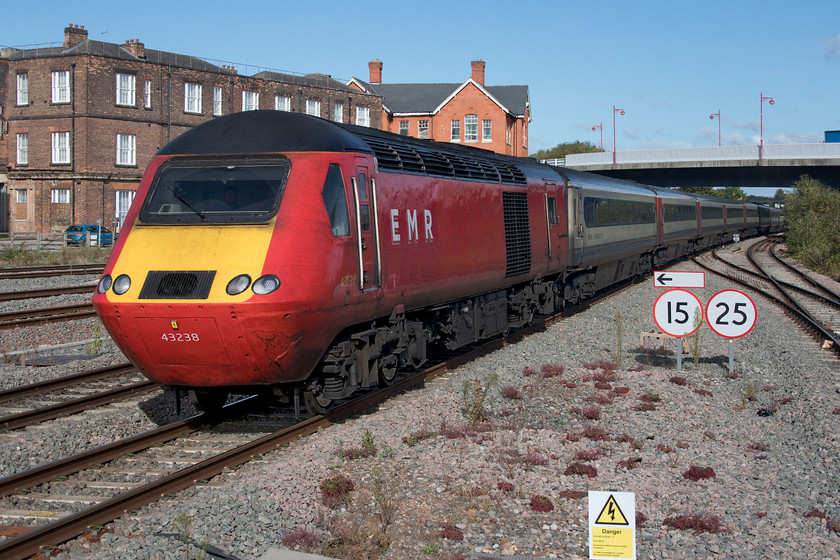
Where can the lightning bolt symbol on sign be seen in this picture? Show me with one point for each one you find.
(611, 514)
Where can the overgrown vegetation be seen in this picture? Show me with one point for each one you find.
(812, 226)
(17, 256)
(475, 395)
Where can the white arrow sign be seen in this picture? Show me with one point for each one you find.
(678, 279)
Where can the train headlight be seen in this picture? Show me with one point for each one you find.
(122, 284)
(266, 284)
(104, 284)
(238, 285)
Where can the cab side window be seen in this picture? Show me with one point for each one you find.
(336, 201)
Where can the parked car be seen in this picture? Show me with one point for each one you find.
(78, 235)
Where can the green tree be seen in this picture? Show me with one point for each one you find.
(812, 225)
(566, 148)
(707, 191)
(780, 195)
(732, 193)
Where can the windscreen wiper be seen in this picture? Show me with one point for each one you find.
(189, 204)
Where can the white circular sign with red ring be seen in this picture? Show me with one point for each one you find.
(678, 312)
(731, 313)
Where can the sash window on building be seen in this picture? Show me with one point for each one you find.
(23, 148)
(282, 103)
(313, 107)
(217, 101)
(363, 116)
(192, 98)
(60, 196)
(126, 149)
(61, 147)
(61, 86)
(250, 100)
(125, 89)
(23, 89)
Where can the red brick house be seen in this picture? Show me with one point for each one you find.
(472, 113)
(79, 122)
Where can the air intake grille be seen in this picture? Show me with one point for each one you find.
(517, 233)
(392, 154)
(187, 284)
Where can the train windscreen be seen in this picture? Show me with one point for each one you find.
(215, 191)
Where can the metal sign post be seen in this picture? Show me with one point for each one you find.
(731, 314)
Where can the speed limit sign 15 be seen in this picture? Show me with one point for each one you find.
(731, 313)
(678, 312)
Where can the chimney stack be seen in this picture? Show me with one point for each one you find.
(478, 71)
(135, 47)
(73, 35)
(375, 71)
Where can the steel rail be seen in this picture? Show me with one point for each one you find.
(788, 285)
(59, 313)
(814, 328)
(805, 277)
(21, 419)
(51, 270)
(751, 257)
(48, 292)
(73, 525)
(61, 382)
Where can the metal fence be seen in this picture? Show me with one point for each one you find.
(34, 241)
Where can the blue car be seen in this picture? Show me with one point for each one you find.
(78, 235)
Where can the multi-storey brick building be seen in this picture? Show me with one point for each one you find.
(80, 122)
(490, 117)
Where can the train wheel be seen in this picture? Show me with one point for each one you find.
(316, 403)
(209, 400)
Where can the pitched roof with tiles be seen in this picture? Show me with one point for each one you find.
(427, 99)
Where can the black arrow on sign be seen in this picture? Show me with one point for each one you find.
(662, 278)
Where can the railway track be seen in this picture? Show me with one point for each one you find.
(90, 498)
(812, 305)
(49, 292)
(38, 402)
(51, 270)
(46, 314)
(179, 455)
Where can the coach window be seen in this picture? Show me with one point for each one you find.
(552, 211)
(335, 201)
(364, 208)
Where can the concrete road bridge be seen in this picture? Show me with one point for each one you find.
(780, 165)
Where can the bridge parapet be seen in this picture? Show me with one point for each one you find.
(722, 156)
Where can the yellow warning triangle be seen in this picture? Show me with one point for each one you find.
(611, 514)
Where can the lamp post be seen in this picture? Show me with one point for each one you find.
(761, 146)
(712, 116)
(615, 110)
(601, 127)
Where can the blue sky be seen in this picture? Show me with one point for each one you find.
(668, 64)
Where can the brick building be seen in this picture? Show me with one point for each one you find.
(80, 122)
(491, 117)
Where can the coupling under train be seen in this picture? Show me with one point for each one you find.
(284, 253)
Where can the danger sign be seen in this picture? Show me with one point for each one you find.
(612, 525)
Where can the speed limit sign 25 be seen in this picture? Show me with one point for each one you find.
(731, 313)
